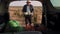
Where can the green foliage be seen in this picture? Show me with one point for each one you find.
(15, 26)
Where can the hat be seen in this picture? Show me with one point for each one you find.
(28, 1)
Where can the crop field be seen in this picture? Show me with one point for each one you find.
(17, 14)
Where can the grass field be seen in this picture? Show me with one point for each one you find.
(16, 14)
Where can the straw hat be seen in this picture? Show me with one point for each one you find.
(28, 1)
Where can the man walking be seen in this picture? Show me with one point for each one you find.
(28, 12)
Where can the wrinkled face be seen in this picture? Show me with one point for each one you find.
(28, 3)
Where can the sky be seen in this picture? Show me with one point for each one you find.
(55, 3)
(22, 3)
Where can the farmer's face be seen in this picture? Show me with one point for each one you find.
(28, 3)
